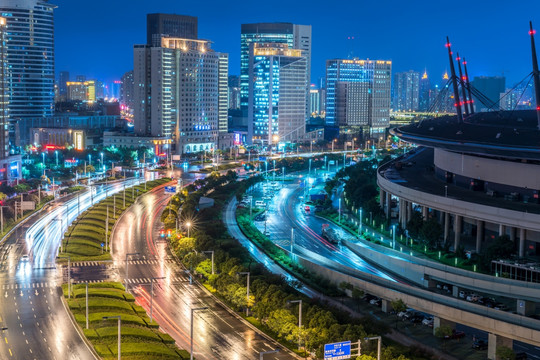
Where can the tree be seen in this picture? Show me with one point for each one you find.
(415, 224)
(365, 357)
(398, 306)
(443, 332)
(430, 232)
(282, 322)
(505, 353)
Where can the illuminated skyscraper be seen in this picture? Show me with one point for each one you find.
(294, 36)
(177, 93)
(358, 94)
(30, 57)
(127, 90)
(425, 91)
(277, 98)
(406, 91)
(171, 25)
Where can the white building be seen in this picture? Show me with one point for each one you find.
(181, 93)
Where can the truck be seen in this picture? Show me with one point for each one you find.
(330, 234)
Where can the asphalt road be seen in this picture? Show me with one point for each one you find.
(38, 327)
(217, 333)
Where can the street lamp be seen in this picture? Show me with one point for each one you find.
(192, 311)
(127, 266)
(119, 332)
(247, 304)
(266, 353)
(56, 153)
(299, 302)
(378, 338)
(211, 252)
(188, 225)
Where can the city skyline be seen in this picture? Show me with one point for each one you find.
(418, 45)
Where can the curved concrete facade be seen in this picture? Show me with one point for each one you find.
(467, 209)
(517, 174)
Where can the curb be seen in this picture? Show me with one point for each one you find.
(77, 327)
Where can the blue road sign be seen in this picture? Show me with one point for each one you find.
(102, 244)
(338, 351)
(262, 158)
(170, 189)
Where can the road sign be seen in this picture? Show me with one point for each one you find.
(337, 351)
(170, 189)
(102, 244)
(262, 158)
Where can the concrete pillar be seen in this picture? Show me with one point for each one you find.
(438, 322)
(425, 210)
(512, 233)
(457, 231)
(446, 226)
(381, 198)
(494, 341)
(386, 306)
(479, 235)
(525, 308)
(455, 291)
(409, 210)
(388, 205)
(502, 229)
(522, 235)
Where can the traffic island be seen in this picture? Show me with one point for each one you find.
(110, 309)
(87, 239)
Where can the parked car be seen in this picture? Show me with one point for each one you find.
(368, 297)
(463, 294)
(501, 307)
(416, 318)
(521, 356)
(455, 335)
(428, 321)
(489, 302)
(376, 302)
(480, 344)
(473, 297)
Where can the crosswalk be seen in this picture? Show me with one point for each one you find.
(174, 279)
(131, 262)
(36, 285)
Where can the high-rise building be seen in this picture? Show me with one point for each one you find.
(223, 93)
(178, 91)
(4, 92)
(30, 57)
(114, 90)
(169, 25)
(294, 36)
(63, 79)
(127, 90)
(491, 87)
(425, 91)
(406, 91)
(81, 91)
(234, 92)
(362, 91)
(314, 101)
(277, 98)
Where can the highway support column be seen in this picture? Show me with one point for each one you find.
(386, 306)
(479, 235)
(388, 205)
(438, 322)
(522, 235)
(446, 226)
(495, 341)
(525, 307)
(457, 231)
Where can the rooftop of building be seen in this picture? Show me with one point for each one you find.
(510, 134)
(418, 175)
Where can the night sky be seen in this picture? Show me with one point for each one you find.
(96, 38)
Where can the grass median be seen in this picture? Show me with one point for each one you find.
(140, 338)
(83, 240)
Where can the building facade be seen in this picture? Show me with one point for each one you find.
(30, 57)
(294, 36)
(178, 93)
(362, 90)
(82, 91)
(406, 95)
(234, 92)
(277, 98)
(223, 93)
(127, 90)
(171, 25)
(424, 102)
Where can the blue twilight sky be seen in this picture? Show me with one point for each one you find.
(96, 38)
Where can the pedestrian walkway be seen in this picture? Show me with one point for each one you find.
(35, 285)
(144, 280)
(105, 263)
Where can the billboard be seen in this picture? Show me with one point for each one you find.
(337, 351)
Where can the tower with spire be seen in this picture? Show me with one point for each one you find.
(425, 92)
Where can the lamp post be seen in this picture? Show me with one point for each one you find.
(56, 153)
(152, 294)
(299, 302)
(102, 163)
(360, 222)
(188, 225)
(309, 167)
(119, 332)
(211, 252)
(127, 266)
(192, 311)
(339, 211)
(43, 155)
(247, 304)
(378, 338)
(274, 171)
(394, 236)
(261, 354)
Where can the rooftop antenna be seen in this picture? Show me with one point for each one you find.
(471, 109)
(454, 82)
(462, 82)
(535, 73)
